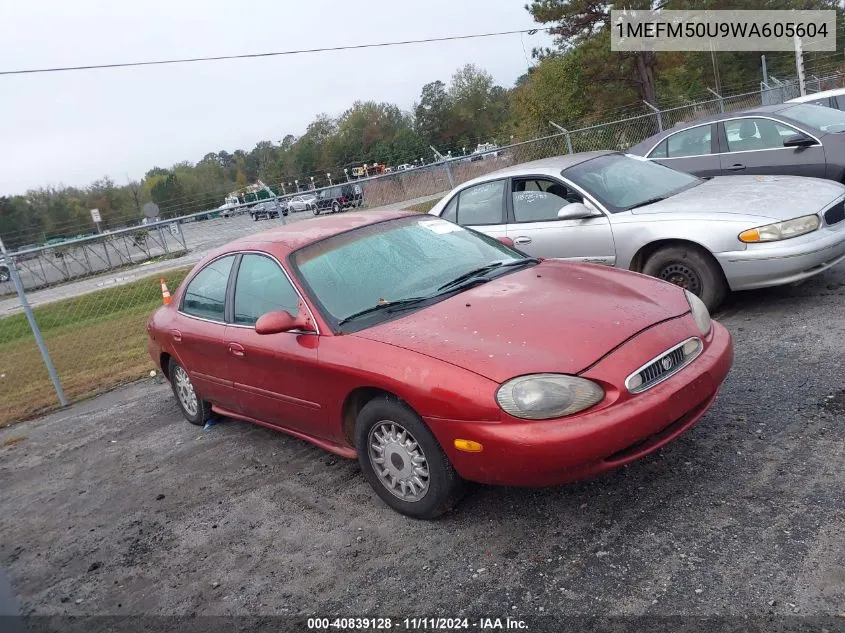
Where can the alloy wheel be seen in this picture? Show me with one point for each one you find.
(398, 461)
(185, 391)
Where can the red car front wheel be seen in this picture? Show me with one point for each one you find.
(403, 461)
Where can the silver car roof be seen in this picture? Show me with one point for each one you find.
(545, 166)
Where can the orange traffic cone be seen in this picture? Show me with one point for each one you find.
(165, 293)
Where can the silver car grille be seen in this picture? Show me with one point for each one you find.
(667, 364)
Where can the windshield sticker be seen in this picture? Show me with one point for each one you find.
(440, 226)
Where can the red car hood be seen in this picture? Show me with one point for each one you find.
(555, 317)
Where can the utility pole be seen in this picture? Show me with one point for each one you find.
(716, 79)
(765, 70)
(799, 65)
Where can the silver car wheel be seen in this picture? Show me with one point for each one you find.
(185, 391)
(398, 461)
(683, 276)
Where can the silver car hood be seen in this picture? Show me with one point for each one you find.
(775, 197)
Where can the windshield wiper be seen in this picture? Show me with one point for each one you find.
(471, 277)
(647, 202)
(386, 306)
(477, 274)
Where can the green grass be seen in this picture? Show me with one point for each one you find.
(96, 341)
(423, 207)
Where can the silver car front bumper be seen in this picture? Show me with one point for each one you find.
(785, 262)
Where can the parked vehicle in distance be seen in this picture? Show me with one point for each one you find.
(485, 150)
(401, 340)
(705, 235)
(369, 170)
(209, 215)
(404, 167)
(796, 139)
(354, 193)
(27, 252)
(231, 206)
(337, 198)
(302, 202)
(266, 210)
(828, 98)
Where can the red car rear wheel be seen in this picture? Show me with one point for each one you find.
(195, 409)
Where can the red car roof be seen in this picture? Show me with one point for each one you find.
(292, 236)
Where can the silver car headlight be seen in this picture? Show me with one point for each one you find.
(699, 312)
(781, 230)
(545, 396)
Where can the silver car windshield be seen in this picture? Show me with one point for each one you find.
(623, 182)
(815, 116)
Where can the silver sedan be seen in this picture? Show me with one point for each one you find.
(305, 202)
(708, 235)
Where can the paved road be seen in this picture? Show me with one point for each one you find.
(200, 238)
(118, 506)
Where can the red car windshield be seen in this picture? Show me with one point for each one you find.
(393, 261)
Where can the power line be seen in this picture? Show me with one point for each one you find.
(187, 60)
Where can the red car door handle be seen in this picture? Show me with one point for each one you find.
(176, 334)
(236, 349)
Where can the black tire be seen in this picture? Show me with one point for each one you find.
(444, 487)
(316, 211)
(691, 269)
(203, 410)
(254, 218)
(335, 207)
(5, 274)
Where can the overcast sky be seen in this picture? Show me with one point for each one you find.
(74, 127)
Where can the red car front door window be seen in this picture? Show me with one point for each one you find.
(276, 376)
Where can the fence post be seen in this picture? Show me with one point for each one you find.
(657, 112)
(565, 131)
(719, 97)
(448, 165)
(33, 324)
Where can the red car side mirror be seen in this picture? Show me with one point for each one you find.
(506, 241)
(280, 321)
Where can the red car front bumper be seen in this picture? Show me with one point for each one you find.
(551, 452)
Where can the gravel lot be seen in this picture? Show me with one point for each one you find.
(118, 506)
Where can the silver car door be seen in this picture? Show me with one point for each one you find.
(533, 225)
(480, 207)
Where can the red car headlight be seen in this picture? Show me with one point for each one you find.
(546, 396)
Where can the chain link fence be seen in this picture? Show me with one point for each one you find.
(90, 297)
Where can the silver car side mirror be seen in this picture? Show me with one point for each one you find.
(576, 211)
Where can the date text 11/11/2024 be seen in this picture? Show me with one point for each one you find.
(416, 624)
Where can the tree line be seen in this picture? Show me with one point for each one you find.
(577, 82)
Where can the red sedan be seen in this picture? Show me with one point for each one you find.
(436, 354)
